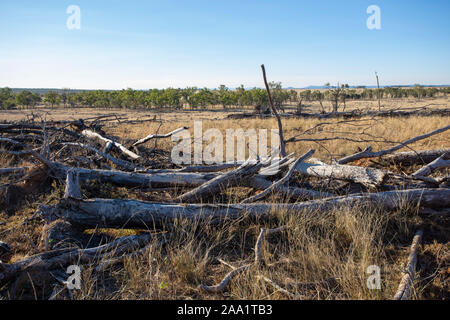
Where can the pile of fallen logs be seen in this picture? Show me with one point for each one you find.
(305, 185)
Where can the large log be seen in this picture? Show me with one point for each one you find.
(132, 179)
(416, 157)
(117, 213)
(365, 176)
(175, 179)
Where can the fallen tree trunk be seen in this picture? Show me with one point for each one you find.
(175, 179)
(365, 176)
(416, 157)
(95, 135)
(132, 179)
(117, 213)
(367, 153)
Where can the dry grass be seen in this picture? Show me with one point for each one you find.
(316, 246)
(380, 133)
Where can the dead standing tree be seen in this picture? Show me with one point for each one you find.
(275, 112)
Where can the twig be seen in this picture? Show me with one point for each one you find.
(222, 284)
(158, 136)
(262, 234)
(406, 284)
(280, 289)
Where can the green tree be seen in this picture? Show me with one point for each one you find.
(52, 98)
(72, 100)
(188, 96)
(244, 97)
(24, 98)
(7, 100)
(205, 97)
(173, 98)
(279, 96)
(260, 98)
(224, 96)
(317, 95)
(64, 95)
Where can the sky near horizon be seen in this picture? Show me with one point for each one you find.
(206, 43)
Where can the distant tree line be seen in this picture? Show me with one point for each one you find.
(194, 98)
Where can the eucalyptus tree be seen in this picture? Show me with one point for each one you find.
(188, 96)
(35, 99)
(72, 100)
(260, 97)
(293, 95)
(64, 94)
(52, 98)
(89, 98)
(317, 95)
(205, 97)
(223, 96)
(343, 95)
(24, 98)
(244, 97)
(431, 92)
(172, 98)
(279, 96)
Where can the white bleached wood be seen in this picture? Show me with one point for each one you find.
(118, 213)
(159, 136)
(439, 163)
(94, 135)
(406, 286)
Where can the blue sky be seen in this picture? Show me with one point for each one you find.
(174, 43)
